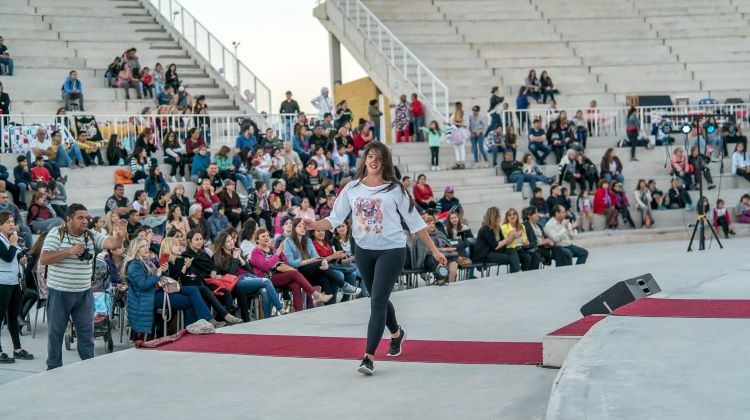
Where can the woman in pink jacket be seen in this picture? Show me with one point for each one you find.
(270, 262)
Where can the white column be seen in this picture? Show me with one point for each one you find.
(334, 47)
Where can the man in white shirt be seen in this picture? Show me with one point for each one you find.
(41, 145)
(323, 103)
(562, 232)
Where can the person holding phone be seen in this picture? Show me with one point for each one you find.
(11, 296)
(378, 203)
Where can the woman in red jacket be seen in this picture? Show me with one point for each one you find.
(205, 196)
(423, 195)
(604, 204)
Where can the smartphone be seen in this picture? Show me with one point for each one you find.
(164, 259)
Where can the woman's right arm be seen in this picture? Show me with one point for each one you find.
(259, 261)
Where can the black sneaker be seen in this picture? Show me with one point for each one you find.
(396, 344)
(366, 367)
(4, 358)
(23, 355)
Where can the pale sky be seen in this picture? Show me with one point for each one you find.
(280, 41)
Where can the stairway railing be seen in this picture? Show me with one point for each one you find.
(424, 81)
(224, 61)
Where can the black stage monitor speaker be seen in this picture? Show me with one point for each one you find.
(655, 100)
(621, 294)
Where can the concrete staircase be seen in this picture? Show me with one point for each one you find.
(48, 38)
(593, 50)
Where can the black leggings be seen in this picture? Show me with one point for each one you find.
(434, 153)
(380, 270)
(10, 304)
(175, 165)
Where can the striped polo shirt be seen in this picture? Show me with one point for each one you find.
(70, 274)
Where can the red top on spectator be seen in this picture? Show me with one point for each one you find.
(417, 110)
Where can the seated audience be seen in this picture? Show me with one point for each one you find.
(611, 166)
(741, 161)
(538, 142)
(604, 204)
(422, 258)
(722, 218)
(546, 247)
(513, 170)
(562, 231)
(678, 197)
(40, 217)
(527, 253)
(680, 167)
(742, 211)
(117, 154)
(228, 261)
(491, 246)
(72, 90)
(144, 297)
(271, 262)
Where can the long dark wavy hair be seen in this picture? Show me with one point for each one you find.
(300, 241)
(389, 171)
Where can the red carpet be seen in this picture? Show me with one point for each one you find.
(686, 308)
(580, 327)
(428, 351)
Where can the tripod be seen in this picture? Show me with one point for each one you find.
(701, 221)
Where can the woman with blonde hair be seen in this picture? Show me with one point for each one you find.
(528, 255)
(111, 219)
(492, 246)
(144, 296)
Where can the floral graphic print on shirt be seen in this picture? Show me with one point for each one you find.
(369, 215)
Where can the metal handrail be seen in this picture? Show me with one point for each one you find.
(224, 61)
(433, 91)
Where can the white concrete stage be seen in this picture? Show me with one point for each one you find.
(520, 307)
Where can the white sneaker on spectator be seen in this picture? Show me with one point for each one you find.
(172, 179)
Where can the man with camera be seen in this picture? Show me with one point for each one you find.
(69, 252)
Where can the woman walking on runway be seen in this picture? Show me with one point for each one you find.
(378, 202)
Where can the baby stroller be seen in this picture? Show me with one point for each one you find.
(103, 292)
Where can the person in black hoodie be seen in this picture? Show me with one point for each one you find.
(179, 267)
(490, 246)
(201, 267)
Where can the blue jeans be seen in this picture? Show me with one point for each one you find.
(418, 122)
(63, 157)
(579, 253)
(61, 307)
(249, 285)
(265, 177)
(158, 88)
(540, 151)
(519, 178)
(581, 136)
(477, 147)
(245, 179)
(189, 300)
(8, 63)
(495, 151)
(608, 176)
